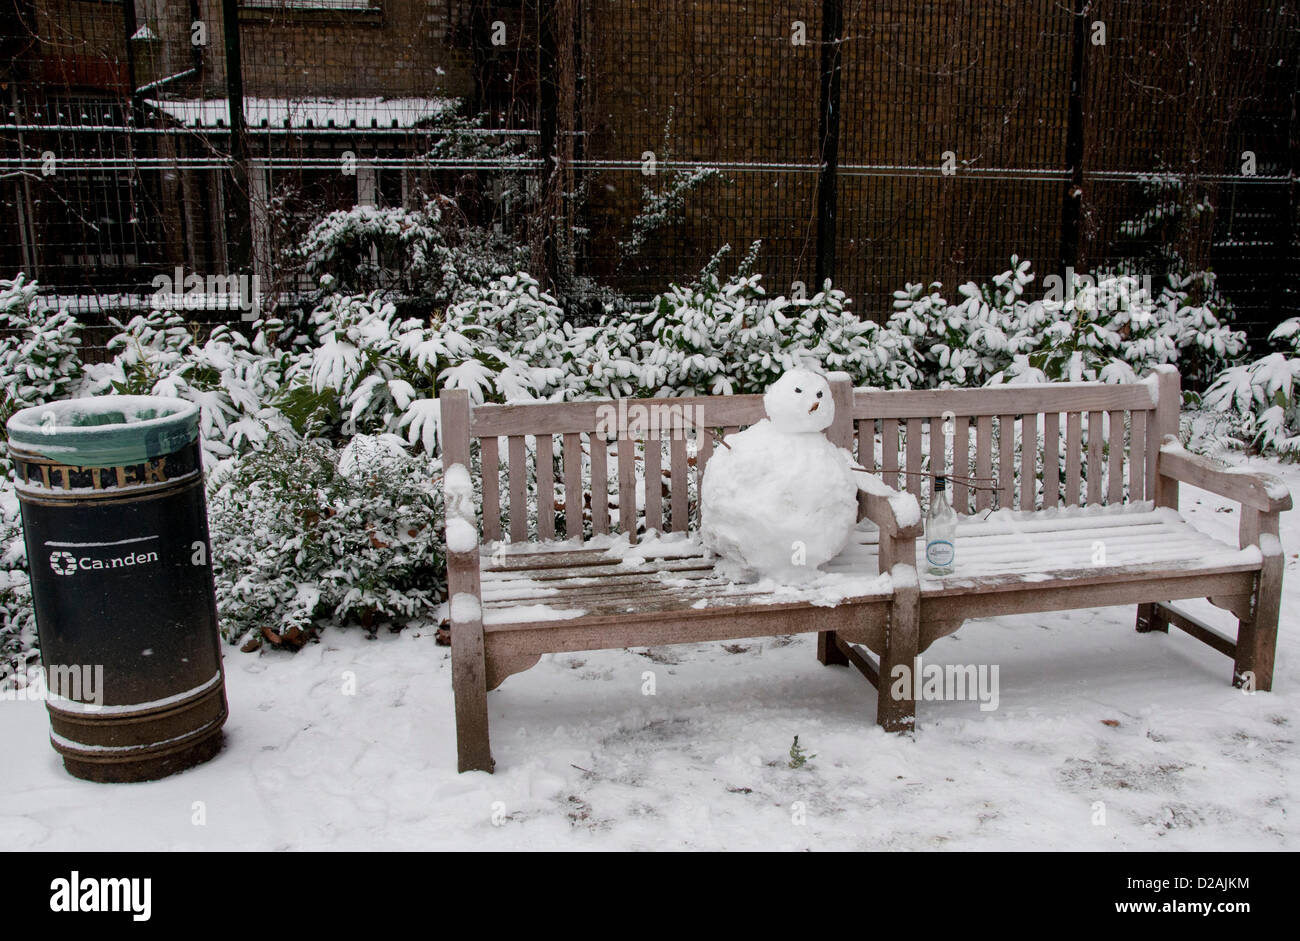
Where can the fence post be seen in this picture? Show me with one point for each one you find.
(240, 206)
(129, 28)
(1072, 201)
(548, 126)
(828, 133)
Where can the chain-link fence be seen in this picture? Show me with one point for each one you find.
(876, 142)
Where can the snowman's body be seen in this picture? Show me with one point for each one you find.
(780, 499)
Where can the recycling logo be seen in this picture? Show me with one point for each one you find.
(63, 563)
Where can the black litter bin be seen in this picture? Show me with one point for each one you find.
(115, 522)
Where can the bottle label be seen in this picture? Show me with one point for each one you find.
(940, 552)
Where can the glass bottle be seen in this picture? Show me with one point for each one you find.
(940, 530)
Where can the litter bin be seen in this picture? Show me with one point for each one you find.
(115, 522)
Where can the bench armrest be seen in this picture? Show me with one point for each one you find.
(897, 515)
(1262, 492)
(895, 512)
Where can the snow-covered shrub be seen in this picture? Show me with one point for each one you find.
(720, 338)
(366, 248)
(1112, 329)
(235, 380)
(663, 205)
(40, 358)
(413, 252)
(1261, 400)
(375, 372)
(966, 343)
(17, 619)
(364, 366)
(311, 533)
(541, 354)
(1101, 327)
(1198, 318)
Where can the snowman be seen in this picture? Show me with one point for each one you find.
(779, 499)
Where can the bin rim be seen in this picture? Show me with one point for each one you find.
(109, 443)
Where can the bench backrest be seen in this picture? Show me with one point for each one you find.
(603, 456)
(1023, 446)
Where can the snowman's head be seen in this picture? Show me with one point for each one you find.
(800, 401)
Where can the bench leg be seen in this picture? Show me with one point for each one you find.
(1150, 619)
(828, 652)
(469, 685)
(896, 689)
(1257, 637)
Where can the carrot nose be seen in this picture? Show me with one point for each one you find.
(814, 407)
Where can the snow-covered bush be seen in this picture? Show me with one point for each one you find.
(367, 248)
(721, 338)
(312, 533)
(17, 619)
(663, 206)
(40, 357)
(372, 371)
(1105, 327)
(541, 354)
(413, 252)
(234, 379)
(1261, 400)
(300, 541)
(966, 343)
(1114, 330)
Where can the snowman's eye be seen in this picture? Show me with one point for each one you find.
(819, 395)
(798, 391)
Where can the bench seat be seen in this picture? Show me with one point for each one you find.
(553, 597)
(1100, 549)
(1074, 557)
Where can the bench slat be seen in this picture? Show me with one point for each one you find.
(590, 416)
(559, 577)
(961, 464)
(1137, 456)
(517, 454)
(573, 486)
(1051, 459)
(599, 485)
(654, 484)
(999, 400)
(1028, 460)
(680, 483)
(1073, 457)
(627, 487)
(545, 487)
(913, 483)
(491, 489)
(1006, 460)
(889, 451)
(1154, 432)
(704, 451)
(1096, 442)
(984, 462)
(867, 444)
(1115, 457)
(938, 453)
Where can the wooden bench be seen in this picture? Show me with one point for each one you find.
(1068, 493)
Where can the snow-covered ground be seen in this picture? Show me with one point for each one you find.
(1092, 717)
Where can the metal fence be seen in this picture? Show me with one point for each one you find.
(875, 142)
